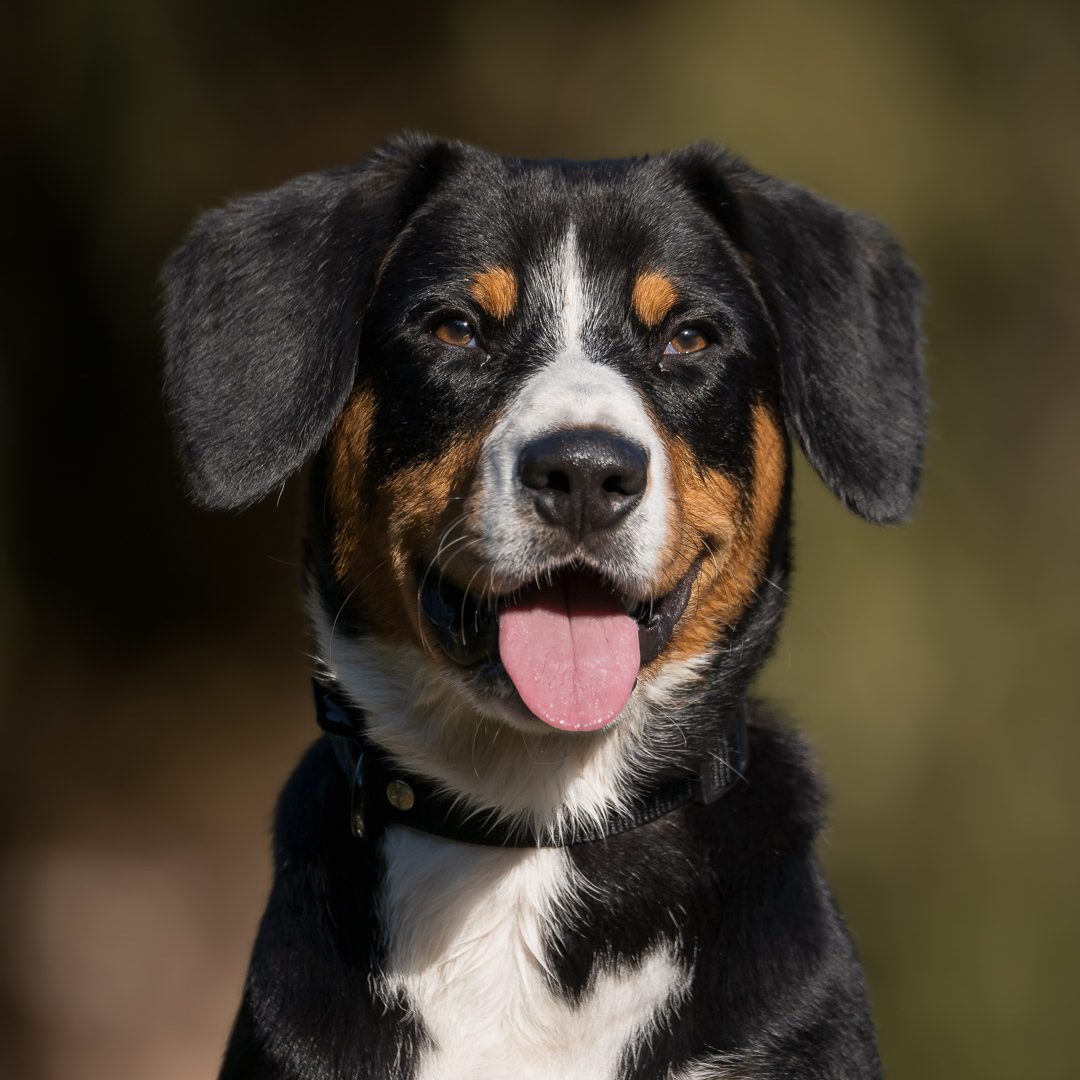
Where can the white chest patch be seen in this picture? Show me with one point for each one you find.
(466, 930)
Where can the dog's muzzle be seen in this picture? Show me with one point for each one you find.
(576, 518)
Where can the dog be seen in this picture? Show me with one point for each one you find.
(547, 410)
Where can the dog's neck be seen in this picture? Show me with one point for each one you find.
(383, 792)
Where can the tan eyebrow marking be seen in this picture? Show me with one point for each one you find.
(653, 296)
(496, 291)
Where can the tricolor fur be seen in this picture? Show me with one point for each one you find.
(417, 326)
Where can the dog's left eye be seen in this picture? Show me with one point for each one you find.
(456, 332)
(687, 340)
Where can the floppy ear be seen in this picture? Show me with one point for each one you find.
(262, 313)
(845, 306)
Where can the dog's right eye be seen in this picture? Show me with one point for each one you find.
(687, 340)
(456, 332)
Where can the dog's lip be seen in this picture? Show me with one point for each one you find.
(657, 619)
(467, 627)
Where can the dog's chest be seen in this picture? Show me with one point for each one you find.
(468, 931)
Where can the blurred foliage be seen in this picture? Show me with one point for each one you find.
(153, 657)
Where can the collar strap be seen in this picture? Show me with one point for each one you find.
(383, 793)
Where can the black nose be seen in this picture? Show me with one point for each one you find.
(584, 480)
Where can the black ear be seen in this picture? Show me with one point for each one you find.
(845, 306)
(262, 311)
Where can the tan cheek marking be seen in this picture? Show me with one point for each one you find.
(380, 529)
(422, 499)
(358, 542)
(348, 466)
(653, 296)
(496, 291)
(770, 468)
(711, 514)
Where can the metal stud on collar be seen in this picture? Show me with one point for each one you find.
(399, 795)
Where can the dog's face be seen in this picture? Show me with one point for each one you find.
(552, 400)
(564, 440)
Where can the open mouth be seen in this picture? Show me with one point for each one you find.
(571, 645)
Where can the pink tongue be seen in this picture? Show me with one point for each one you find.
(572, 652)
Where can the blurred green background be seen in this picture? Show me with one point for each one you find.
(152, 658)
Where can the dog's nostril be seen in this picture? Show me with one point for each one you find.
(538, 473)
(584, 480)
(626, 484)
(558, 481)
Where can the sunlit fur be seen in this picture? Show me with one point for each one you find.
(302, 326)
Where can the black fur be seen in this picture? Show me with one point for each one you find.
(281, 303)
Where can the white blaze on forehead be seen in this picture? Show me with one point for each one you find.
(571, 291)
(571, 391)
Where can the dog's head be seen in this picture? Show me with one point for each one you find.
(550, 403)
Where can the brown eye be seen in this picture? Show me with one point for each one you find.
(687, 340)
(456, 332)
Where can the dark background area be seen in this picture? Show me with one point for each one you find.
(152, 658)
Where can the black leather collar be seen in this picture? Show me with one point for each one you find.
(382, 793)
